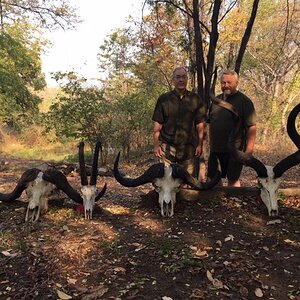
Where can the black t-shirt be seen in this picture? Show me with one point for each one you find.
(179, 117)
(221, 121)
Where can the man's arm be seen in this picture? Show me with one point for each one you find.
(251, 135)
(156, 134)
(200, 131)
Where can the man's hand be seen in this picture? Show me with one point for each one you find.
(249, 151)
(198, 151)
(158, 151)
(156, 134)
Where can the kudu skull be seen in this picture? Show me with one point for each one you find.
(166, 180)
(269, 177)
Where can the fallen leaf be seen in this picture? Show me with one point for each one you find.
(21, 209)
(66, 228)
(200, 253)
(288, 241)
(193, 248)
(166, 298)
(72, 280)
(209, 276)
(208, 248)
(7, 253)
(217, 283)
(141, 247)
(196, 293)
(229, 238)
(119, 269)
(96, 293)
(218, 242)
(258, 293)
(272, 222)
(62, 295)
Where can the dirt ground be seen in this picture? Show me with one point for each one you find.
(218, 248)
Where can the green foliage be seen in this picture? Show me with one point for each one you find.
(79, 112)
(138, 64)
(20, 75)
(20, 48)
(44, 14)
(116, 50)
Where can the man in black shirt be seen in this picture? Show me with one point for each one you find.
(221, 124)
(179, 120)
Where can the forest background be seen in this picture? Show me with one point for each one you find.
(260, 39)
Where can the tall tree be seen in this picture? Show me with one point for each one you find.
(46, 14)
(20, 76)
(207, 16)
(79, 112)
(21, 44)
(272, 64)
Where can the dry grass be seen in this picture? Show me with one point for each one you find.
(32, 144)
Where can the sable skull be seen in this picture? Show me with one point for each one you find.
(89, 192)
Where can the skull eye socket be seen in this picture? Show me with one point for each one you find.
(177, 189)
(156, 187)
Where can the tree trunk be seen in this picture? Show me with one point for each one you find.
(214, 36)
(200, 64)
(246, 37)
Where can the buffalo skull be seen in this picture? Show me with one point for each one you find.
(166, 180)
(39, 186)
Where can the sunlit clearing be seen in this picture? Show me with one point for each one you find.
(117, 210)
(149, 223)
(60, 214)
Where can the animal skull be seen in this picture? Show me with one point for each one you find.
(268, 177)
(89, 191)
(166, 181)
(167, 188)
(39, 186)
(38, 191)
(269, 191)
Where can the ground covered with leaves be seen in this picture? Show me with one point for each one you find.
(217, 248)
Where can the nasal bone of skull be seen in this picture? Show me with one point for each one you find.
(271, 202)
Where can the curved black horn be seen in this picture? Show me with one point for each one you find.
(244, 158)
(101, 193)
(287, 163)
(26, 178)
(94, 174)
(83, 176)
(291, 126)
(293, 159)
(179, 172)
(155, 171)
(60, 181)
